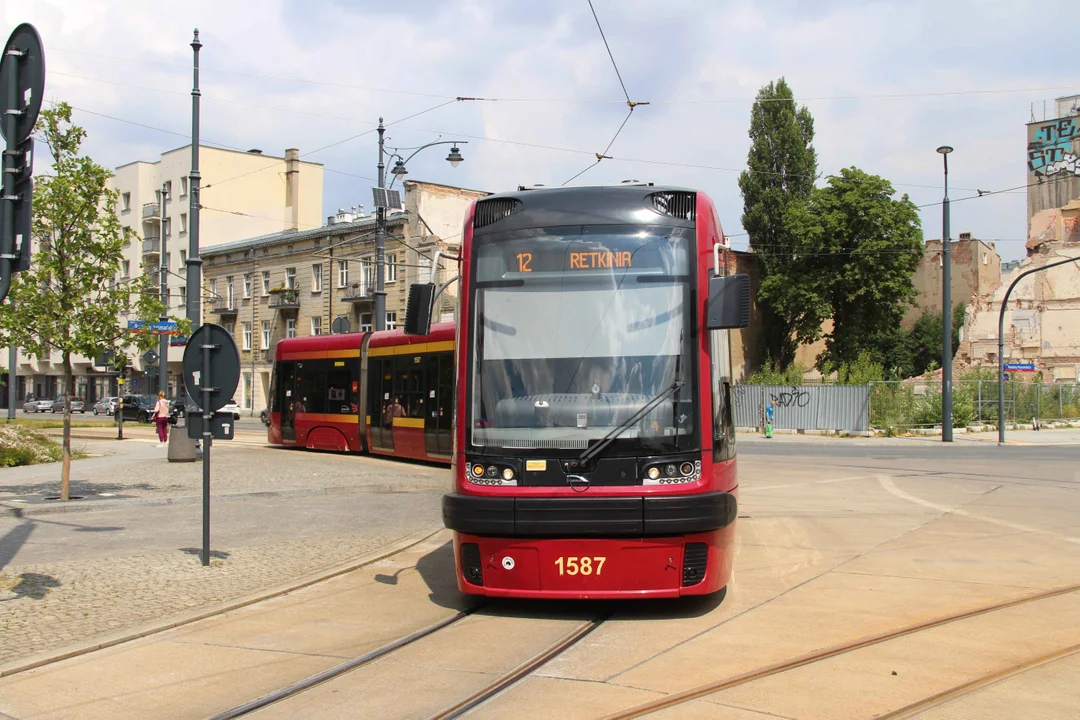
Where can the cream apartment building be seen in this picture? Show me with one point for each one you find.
(243, 194)
(298, 283)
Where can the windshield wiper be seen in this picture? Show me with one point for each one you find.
(589, 455)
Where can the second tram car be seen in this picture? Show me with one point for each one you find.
(385, 393)
(594, 446)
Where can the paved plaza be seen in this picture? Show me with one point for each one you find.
(838, 539)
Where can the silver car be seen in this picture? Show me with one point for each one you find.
(43, 406)
(105, 405)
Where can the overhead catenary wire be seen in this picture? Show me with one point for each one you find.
(593, 101)
(601, 156)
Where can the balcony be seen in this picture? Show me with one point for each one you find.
(359, 294)
(223, 306)
(151, 246)
(285, 299)
(151, 211)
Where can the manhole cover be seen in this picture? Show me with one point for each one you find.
(70, 497)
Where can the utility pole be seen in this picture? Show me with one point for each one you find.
(380, 244)
(194, 262)
(946, 311)
(163, 271)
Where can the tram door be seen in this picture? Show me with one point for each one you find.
(380, 397)
(286, 397)
(438, 408)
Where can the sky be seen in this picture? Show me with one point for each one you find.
(886, 82)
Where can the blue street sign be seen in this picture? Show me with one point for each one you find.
(168, 326)
(1020, 367)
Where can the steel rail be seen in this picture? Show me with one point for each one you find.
(521, 671)
(959, 691)
(818, 655)
(342, 669)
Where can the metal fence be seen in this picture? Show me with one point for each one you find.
(918, 404)
(804, 407)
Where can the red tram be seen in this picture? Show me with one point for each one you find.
(386, 393)
(594, 449)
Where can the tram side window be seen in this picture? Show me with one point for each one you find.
(720, 387)
(311, 386)
(340, 394)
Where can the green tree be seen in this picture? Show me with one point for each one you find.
(925, 339)
(781, 168)
(70, 301)
(861, 247)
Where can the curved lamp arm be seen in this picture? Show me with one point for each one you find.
(1001, 340)
(405, 161)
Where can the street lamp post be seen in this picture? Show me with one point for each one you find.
(454, 158)
(946, 311)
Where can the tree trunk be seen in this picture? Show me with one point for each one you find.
(65, 473)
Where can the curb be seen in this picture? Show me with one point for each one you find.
(24, 511)
(145, 630)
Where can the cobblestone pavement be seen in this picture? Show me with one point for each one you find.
(65, 579)
(44, 607)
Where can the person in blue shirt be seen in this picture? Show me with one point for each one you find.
(769, 412)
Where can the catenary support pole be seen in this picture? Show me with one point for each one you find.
(1001, 344)
(946, 317)
(379, 306)
(163, 272)
(194, 262)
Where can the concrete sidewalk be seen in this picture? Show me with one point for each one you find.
(1047, 436)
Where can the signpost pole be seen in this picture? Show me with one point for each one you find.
(208, 415)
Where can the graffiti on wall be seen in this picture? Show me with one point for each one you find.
(1050, 151)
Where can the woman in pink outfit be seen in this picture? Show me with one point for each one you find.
(161, 417)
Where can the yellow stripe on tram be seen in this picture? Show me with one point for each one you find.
(417, 349)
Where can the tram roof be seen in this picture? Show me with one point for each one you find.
(626, 204)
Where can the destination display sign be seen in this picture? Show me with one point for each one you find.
(638, 250)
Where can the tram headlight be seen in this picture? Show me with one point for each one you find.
(478, 470)
(653, 473)
(687, 469)
(670, 470)
(508, 474)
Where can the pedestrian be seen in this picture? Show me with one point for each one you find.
(161, 418)
(769, 412)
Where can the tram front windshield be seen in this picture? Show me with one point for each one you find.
(575, 330)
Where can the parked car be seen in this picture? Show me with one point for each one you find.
(138, 407)
(77, 405)
(264, 415)
(231, 407)
(30, 404)
(105, 405)
(42, 406)
(178, 406)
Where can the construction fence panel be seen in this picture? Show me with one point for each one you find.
(804, 407)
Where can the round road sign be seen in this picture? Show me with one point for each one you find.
(30, 66)
(224, 366)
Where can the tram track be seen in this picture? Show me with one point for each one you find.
(457, 708)
(777, 668)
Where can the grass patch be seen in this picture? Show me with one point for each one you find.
(56, 423)
(22, 445)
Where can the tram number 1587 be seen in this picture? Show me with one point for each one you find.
(580, 565)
